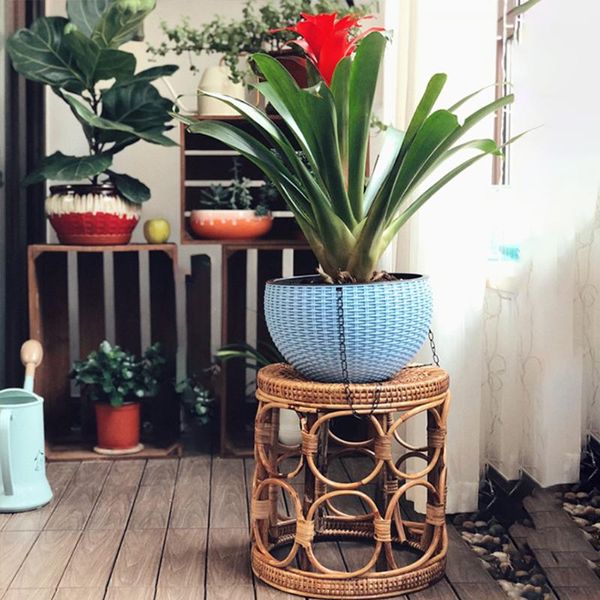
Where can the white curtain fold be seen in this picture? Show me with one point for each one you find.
(523, 353)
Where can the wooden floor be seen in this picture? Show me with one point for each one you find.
(163, 530)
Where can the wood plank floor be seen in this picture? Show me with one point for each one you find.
(166, 530)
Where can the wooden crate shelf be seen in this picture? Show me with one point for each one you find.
(235, 413)
(51, 311)
(205, 161)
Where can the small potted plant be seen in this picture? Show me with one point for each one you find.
(352, 322)
(231, 212)
(80, 61)
(117, 382)
(259, 29)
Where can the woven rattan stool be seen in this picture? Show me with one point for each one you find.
(284, 551)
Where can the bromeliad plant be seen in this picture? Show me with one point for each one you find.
(348, 219)
(80, 60)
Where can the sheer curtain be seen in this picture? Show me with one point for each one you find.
(524, 353)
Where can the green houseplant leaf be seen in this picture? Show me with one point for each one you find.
(69, 168)
(85, 14)
(120, 21)
(98, 63)
(93, 120)
(41, 54)
(129, 187)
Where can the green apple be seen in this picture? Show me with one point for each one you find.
(157, 231)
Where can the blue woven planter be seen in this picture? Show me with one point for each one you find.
(385, 325)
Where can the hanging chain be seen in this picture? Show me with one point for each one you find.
(434, 354)
(344, 361)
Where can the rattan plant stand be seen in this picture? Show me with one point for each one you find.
(284, 548)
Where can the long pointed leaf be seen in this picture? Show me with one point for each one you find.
(364, 73)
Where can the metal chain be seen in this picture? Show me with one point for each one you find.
(436, 358)
(344, 361)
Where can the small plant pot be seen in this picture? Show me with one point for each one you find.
(229, 224)
(118, 429)
(91, 215)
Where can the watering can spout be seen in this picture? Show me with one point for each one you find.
(31, 357)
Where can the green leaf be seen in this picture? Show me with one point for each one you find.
(339, 89)
(86, 14)
(432, 92)
(154, 73)
(361, 92)
(136, 104)
(120, 21)
(61, 167)
(130, 188)
(41, 54)
(88, 116)
(99, 63)
(311, 115)
(384, 170)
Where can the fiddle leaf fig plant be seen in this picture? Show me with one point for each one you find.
(80, 60)
(347, 217)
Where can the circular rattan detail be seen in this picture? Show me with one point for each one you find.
(281, 383)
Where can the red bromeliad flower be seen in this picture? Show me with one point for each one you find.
(326, 40)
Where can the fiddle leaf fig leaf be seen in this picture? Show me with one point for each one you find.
(136, 104)
(98, 63)
(120, 21)
(86, 14)
(61, 167)
(154, 73)
(129, 187)
(84, 113)
(41, 54)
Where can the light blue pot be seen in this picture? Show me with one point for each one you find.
(385, 325)
(22, 460)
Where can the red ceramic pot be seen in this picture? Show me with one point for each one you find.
(91, 215)
(118, 428)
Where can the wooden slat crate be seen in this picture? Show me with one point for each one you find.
(51, 313)
(242, 320)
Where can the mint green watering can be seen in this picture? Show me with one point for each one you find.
(23, 485)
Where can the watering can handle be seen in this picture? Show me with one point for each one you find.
(31, 357)
(7, 481)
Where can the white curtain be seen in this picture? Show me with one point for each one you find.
(523, 353)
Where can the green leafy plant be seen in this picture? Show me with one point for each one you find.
(255, 31)
(197, 396)
(347, 218)
(237, 194)
(253, 357)
(113, 375)
(78, 58)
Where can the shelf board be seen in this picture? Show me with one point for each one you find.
(67, 452)
(259, 244)
(39, 248)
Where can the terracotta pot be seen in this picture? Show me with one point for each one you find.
(91, 215)
(118, 428)
(229, 224)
